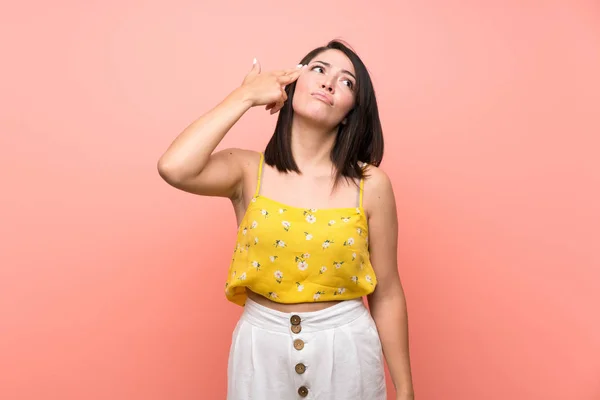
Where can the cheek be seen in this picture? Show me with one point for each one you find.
(301, 93)
(301, 87)
(346, 103)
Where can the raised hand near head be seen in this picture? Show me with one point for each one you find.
(268, 88)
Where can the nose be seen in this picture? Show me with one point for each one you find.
(328, 85)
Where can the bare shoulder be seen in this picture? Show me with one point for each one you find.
(377, 183)
(239, 155)
(246, 158)
(248, 162)
(378, 194)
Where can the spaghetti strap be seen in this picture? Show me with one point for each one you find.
(362, 187)
(361, 191)
(260, 168)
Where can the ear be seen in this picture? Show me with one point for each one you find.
(345, 120)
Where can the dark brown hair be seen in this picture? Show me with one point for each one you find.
(359, 139)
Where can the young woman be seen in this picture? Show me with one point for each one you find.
(317, 231)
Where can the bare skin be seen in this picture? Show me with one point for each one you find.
(191, 164)
(272, 180)
(232, 172)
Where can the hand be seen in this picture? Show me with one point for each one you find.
(268, 88)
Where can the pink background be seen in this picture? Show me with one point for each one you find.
(111, 282)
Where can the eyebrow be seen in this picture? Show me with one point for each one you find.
(344, 71)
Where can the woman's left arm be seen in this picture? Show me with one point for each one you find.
(387, 303)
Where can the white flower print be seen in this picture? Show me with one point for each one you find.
(353, 256)
(254, 225)
(264, 212)
(244, 231)
(311, 219)
(282, 210)
(273, 295)
(313, 210)
(338, 264)
(273, 258)
(359, 231)
(354, 279)
(346, 219)
(317, 295)
(278, 276)
(305, 255)
(357, 210)
(331, 222)
(323, 269)
(349, 242)
(279, 243)
(327, 243)
(256, 265)
(368, 279)
(299, 286)
(256, 240)
(339, 291)
(308, 236)
(242, 277)
(286, 225)
(302, 265)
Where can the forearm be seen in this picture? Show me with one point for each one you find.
(189, 153)
(391, 317)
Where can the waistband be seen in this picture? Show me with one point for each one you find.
(312, 321)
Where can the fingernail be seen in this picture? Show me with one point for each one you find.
(254, 62)
(299, 66)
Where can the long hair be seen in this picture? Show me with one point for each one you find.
(359, 139)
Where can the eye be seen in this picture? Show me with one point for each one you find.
(349, 83)
(318, 67)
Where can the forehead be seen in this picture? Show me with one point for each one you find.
(336, 59)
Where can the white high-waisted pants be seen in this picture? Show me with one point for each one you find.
(332, 354)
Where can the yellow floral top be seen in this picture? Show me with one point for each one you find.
(296, 255)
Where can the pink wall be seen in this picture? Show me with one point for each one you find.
(111, 282)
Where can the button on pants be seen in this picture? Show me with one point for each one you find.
(331, 354)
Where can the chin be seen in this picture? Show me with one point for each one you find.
(317, 114)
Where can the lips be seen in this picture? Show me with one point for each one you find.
(323, 97)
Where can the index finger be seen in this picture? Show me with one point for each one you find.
(290, 77)
(288, 71)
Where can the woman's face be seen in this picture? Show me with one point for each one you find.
(325, 90)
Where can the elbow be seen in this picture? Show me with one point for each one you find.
(167, 171)
(175, 173)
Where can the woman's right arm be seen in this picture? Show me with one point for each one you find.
(189, 163)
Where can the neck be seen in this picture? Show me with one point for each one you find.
(311, 145)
